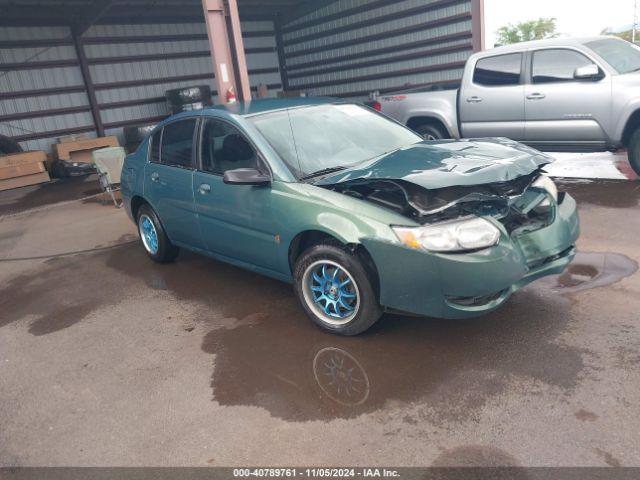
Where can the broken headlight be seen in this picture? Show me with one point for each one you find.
(545, 183)
(459, 236)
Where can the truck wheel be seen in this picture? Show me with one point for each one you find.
(430, 132)
(634, 151)
(335, 290)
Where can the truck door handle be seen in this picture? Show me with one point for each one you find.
(474, 99)
(536, 96)
(155, 176)
(204, 189)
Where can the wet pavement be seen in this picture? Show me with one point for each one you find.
(109, 359)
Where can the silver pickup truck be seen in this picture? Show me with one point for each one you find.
(556, 95)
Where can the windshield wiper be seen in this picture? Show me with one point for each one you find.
(324, 171)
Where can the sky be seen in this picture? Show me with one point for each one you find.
(575, 18)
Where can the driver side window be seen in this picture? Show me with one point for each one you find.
(225, 148)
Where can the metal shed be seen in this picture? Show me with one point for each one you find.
(71, 66)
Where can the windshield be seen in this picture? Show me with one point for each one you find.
(325, 137)
(621, 55)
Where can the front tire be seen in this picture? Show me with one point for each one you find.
(634, 151)
(336, 290)
(153, 237)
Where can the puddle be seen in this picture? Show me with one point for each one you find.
(592, 270)
(267, 354)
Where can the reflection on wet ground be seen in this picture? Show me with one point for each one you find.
(58, 190)
(269, 355)
(590, 270)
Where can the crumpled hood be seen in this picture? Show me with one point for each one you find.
(442, 164)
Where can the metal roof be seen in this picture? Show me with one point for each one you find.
(134, 11)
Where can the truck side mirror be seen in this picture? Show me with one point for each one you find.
(588, 72)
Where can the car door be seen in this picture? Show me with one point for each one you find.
(492, 98)
(561, 109)
(236, 220)
(169, 181)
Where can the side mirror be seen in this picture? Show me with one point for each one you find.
(246, 176)
(588, 72)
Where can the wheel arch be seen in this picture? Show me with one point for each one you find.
(417, 120)
(633, 122)
(308, 238)
(136, 202)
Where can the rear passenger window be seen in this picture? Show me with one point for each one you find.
(550, 66)
(177, 143)
(498, 71)
(154, 155)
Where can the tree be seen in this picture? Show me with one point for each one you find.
(526, 31)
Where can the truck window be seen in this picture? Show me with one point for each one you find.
(559, 65)
(177, 143)
(499, 70)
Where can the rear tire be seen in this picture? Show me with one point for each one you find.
(153, 237)
(336, 290)
(431, 132)
(634, 151)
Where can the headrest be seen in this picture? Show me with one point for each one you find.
(236, 149)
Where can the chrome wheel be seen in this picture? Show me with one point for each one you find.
(331, 292)
(430, 137)
(148, 234)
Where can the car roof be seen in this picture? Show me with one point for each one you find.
(254, 107)
(550, 42)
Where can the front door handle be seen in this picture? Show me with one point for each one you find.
(536, 96)
(155, 176)
(474, 99)
(204, 189)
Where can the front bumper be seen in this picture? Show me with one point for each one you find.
(471, 284)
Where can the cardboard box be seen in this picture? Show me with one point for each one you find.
(80, 150)
(21, 170)
(23, 158)
(24, 181)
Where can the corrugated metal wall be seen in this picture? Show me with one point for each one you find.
(352, 47)
(44, 94)
(345, 48)
(131, 66)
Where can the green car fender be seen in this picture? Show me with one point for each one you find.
(305, 208)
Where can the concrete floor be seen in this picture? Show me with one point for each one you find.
(108, 359)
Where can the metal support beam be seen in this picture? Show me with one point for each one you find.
(282, 58)
(86, 76)
(477, 25)
(227, 48)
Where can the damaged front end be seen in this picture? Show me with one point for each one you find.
(522, 205)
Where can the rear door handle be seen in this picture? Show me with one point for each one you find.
(474, 99)
(155, 176)
(204, 189)
(536, 96)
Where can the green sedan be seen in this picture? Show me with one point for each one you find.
(354, 209)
